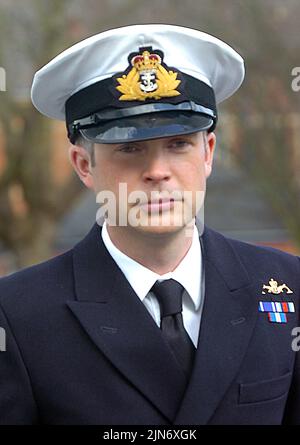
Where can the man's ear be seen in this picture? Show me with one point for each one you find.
(209, 153)
(80, 160)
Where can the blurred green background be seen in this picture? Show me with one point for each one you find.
(254, 191)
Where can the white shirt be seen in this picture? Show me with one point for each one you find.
(188, 273)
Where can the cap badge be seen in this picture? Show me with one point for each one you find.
(147, 79)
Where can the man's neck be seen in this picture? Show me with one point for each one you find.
(160, 253)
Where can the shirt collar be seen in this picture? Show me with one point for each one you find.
(187, 273)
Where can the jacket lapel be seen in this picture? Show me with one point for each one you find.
(121, 327)
(228, 318)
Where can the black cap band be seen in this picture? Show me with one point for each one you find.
(99, 103)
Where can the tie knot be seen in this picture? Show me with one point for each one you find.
(169, 295)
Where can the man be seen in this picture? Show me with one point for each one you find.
(148, 320)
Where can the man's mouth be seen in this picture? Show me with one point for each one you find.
(158, 205)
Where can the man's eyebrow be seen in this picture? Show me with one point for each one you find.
(183, 136)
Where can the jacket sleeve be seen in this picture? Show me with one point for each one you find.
(292, 411)
(17, 404)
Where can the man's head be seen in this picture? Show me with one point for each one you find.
(140, 108)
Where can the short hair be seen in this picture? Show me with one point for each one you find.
(89, 146)
(205, 134)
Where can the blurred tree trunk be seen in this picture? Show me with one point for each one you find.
(31, 202)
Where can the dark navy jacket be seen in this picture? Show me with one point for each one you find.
(81, 348)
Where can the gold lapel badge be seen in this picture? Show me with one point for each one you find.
(277, 310)
(276, 289)
(148, 78)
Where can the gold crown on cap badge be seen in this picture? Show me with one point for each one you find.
(148, 78)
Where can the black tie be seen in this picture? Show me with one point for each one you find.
(169, 295)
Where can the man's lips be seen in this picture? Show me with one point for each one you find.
(160, 200)
(158, 205)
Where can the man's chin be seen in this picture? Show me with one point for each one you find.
(158, 230)
(161, 225)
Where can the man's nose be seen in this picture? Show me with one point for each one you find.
(157, 168)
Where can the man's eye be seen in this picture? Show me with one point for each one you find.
(179, 144)
(129, 149)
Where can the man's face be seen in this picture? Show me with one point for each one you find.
(164, 178)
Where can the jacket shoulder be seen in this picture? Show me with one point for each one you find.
(247, 249)
(53, 274)
(256, 258)
(247, 246)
